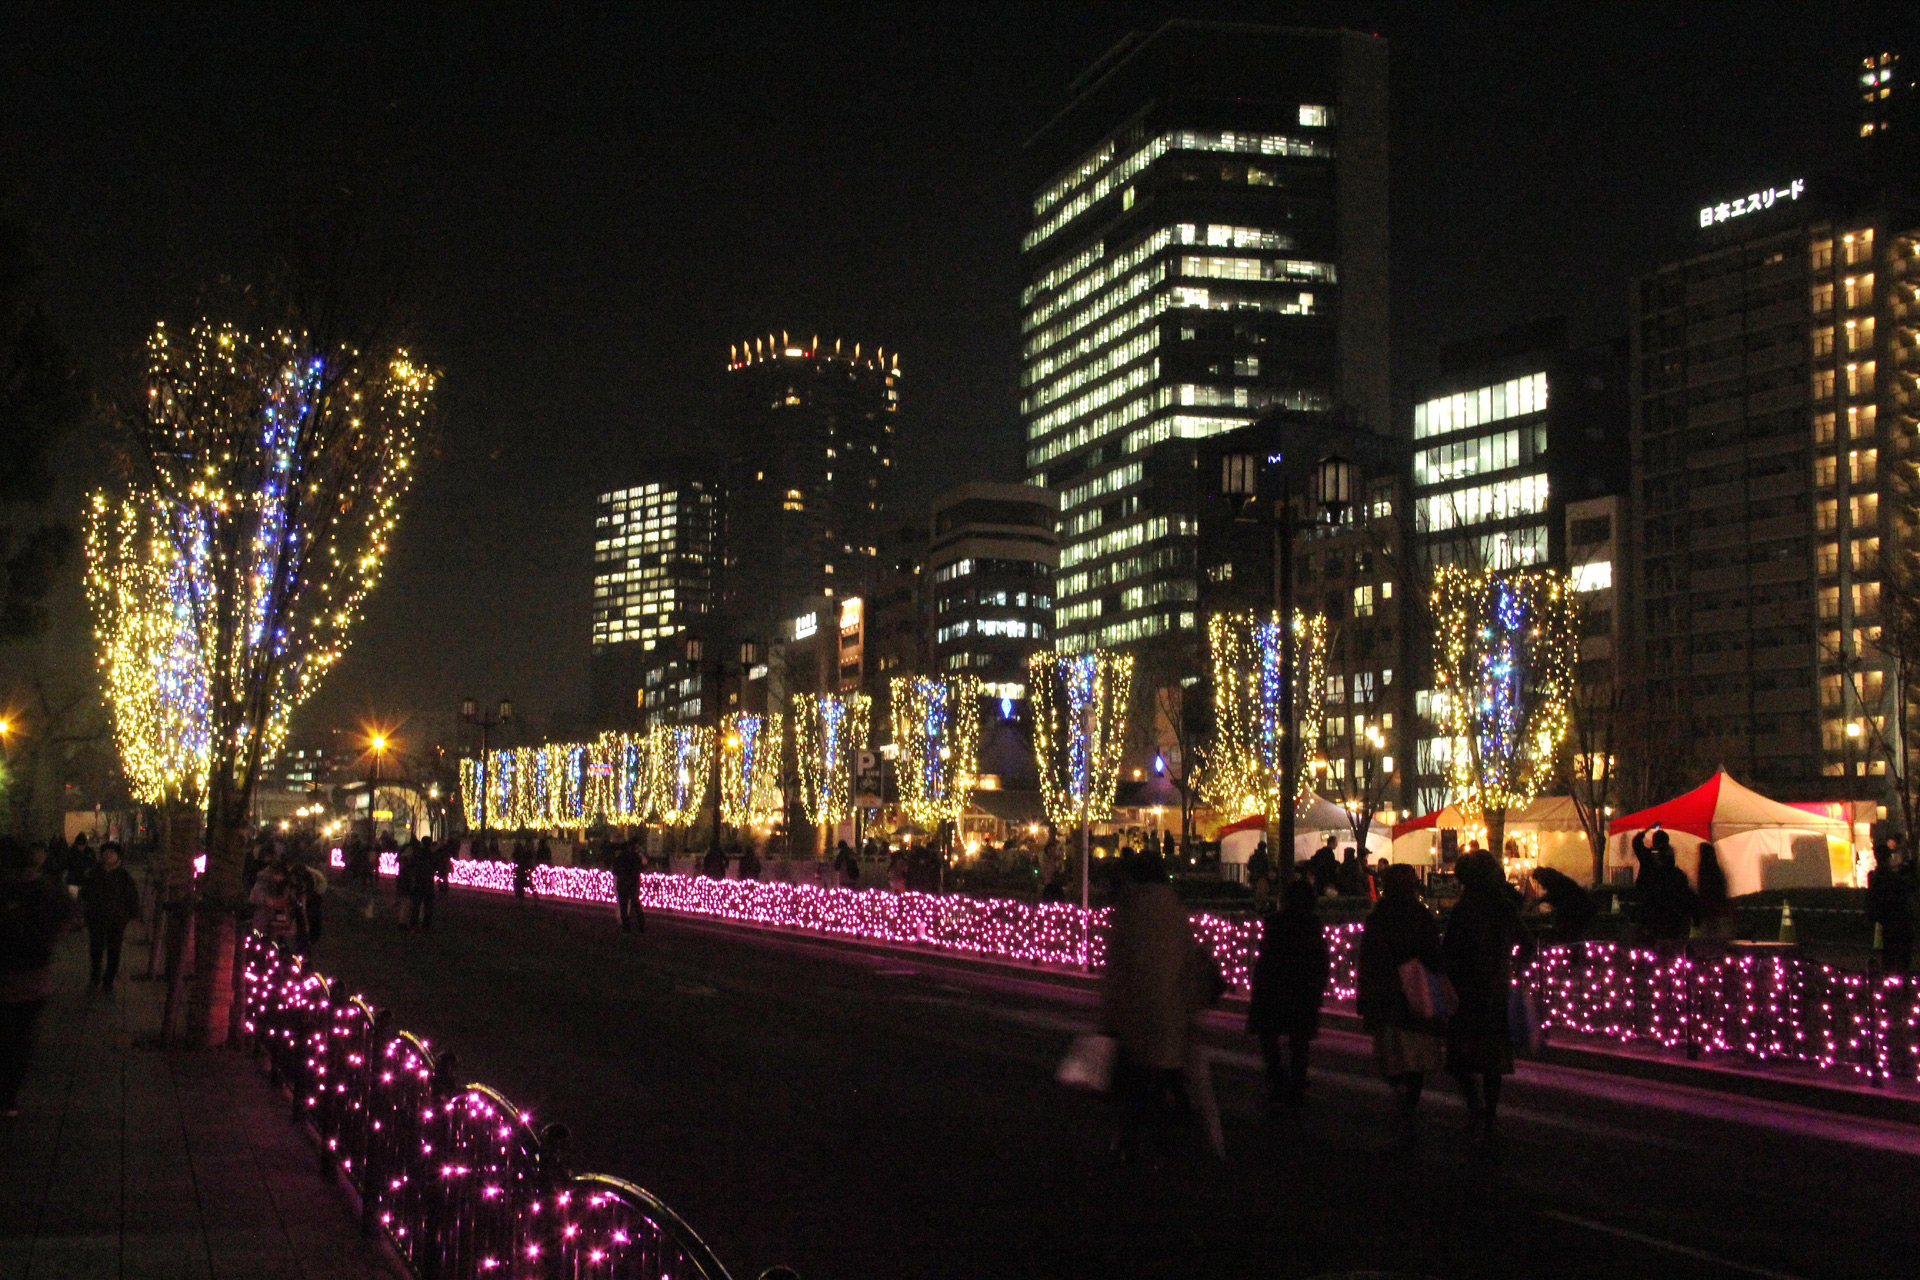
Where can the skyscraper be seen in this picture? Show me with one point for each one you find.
(655, 552)
(811, 459)
(1774, 394)
(991, 557)
(1208, 244)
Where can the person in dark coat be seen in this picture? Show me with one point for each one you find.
(1324, 866)
(1666, 899)
(1260, 877)
(714, 865)
(1289, 983)
(1890, 905)
(1481, 936)
(1712, 906)
(1648, 847)
(522, 870)
(1405, 1046)
(749, 863)
(1150, 993)
(108, 899)
(419, 869)
(1573, 907)
(33, 913)
(626, 888)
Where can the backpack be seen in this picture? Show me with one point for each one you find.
(29, 923)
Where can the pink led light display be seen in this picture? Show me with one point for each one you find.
(1760, 1008)
(458, 1178)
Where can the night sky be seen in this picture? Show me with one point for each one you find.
(594, 204)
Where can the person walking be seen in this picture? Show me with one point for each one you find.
(749, 862)
(272, 908)
(108, 900)
(33, 913)
(1260, 878)
(1482, 933)
(626, 888)
(1149, 998)
(1890, 906)
(1289, 983)
(1052, 886)
(1406, 1045)
(847, 865)
(418, 871)
(1712, 906)
(522, 870)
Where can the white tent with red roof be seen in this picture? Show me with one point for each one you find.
(1762, 843)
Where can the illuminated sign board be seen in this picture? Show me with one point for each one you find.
(850, 615)
(1755, 203)
(805, 625)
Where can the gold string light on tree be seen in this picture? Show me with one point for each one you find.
(750, 749)
(679, 757)
(151, 664)
(936, 726)
(827, 729)
(1079, 703)
(273, 468)
(618, 781)
(1508, 647)
(1246, 767)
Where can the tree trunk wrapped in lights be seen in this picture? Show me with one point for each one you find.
(1246, 768)
(936, 726)
(750, 750)
(618, 782)
(1079, 731)
(828, 728)
(273, 468)
(680, 757)
(1507, 647)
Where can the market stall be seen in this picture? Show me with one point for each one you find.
(1762, 843)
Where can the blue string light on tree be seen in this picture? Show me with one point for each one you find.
(936, 726)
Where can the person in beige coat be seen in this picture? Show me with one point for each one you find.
(1156, 979)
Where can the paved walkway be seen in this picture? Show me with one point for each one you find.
(129, 1162)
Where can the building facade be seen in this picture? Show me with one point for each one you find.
(991, 554)
(1774, 397)
(656, 560)
(811, 439)
(1207, 244)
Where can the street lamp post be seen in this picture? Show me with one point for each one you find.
(1332, 492)
(378, 745)
(471, 714)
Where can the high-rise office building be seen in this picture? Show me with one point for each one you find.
(991, 557)
(1513, 427)
(1774, 390)
(1208, 243)
(656, 551)
(811, 460)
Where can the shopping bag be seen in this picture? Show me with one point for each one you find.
(1523, 1023)
(1429, 995)
(1089, 1063)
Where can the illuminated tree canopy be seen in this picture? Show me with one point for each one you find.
(750, 768)
(827, 729)
(1079, 730)
(936, 726)
(1246, 768)
(265, 479)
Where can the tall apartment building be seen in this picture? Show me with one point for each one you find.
(656, 557)
(1774, 386)
(812, 429)
(1208, 245)
(991, 554)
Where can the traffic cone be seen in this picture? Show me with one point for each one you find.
(1787, 932)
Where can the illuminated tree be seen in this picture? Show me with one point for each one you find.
(1246, 766)
(680, 758)
(828, 728)
(750, 768)
(936, 726)
(1506, 652)
(270, 470)
(618, 779)
(1079, 731)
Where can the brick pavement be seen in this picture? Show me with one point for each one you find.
(129, 1162)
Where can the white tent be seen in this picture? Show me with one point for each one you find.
(1762, 843)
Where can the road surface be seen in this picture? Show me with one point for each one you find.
(866, 1115)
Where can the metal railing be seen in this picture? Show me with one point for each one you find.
(454, 1175)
